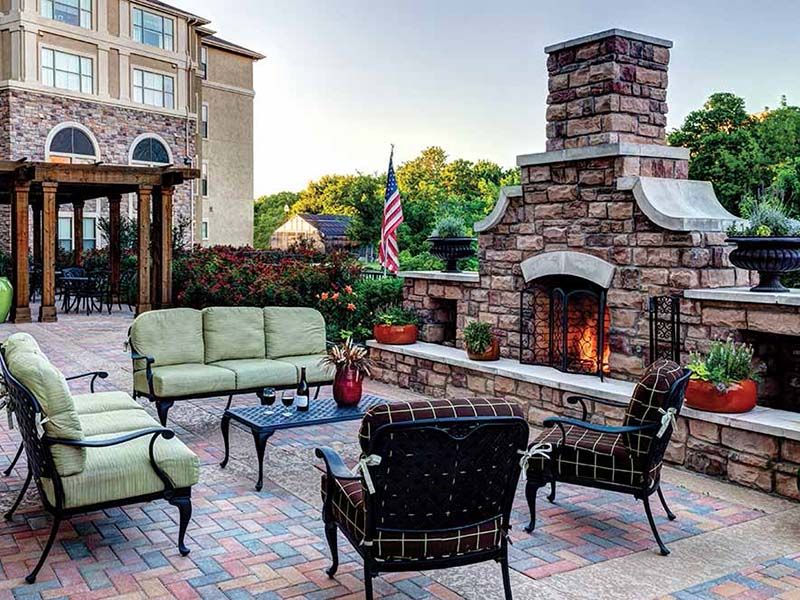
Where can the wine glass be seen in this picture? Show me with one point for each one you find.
(288, 399)
(268, 399)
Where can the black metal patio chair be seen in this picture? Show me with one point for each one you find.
(434, 486)
(625, 458)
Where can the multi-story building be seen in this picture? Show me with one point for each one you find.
(134, 82)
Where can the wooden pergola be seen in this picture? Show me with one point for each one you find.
(43, 187)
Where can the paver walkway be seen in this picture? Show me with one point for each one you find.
(728, 542)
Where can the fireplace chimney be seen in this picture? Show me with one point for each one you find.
(606, 88)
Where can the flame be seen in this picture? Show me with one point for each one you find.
(587, 349)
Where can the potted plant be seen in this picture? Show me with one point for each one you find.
(480, 342)
(396, 326)
(768, 242)
(352, 364)
(724, 380)
(449, 242)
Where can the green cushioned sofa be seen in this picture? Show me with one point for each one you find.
(182, 353)
(90, 451)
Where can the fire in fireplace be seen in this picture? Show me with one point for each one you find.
(564, 324)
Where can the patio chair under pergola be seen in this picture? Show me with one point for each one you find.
(44, 186)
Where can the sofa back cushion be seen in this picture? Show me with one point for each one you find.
(20, 343)
(172, 337)
(294, 331)
(60, 419)
(233, 333)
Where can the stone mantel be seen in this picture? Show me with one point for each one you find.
(603, 151)
(460, 277)
(745, 296)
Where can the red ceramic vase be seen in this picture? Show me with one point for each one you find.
(347, 387)
(739, 398)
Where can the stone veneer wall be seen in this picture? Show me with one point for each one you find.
(28, 117)
(766, 462)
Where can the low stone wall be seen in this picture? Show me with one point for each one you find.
(766, 462)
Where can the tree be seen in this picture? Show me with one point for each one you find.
(270, 213)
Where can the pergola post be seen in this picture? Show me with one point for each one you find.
(165, 271)
(37, 234)
(21, 311)
(155, 250)
(47, 312)
(77, 228)
(143, 250)
(115, 252)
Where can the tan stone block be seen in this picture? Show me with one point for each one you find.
(772, 321)
(603, 71)
(592, 177)
(504, 385)
(655, 276)
(735, 318)
(661, 55)
(786, 484)
(607, 103)
(714, 278)
(675, 453)
(537, 174)
(754, 477)
(632, 104)
(584, 126)
(530, 242)
(620, 122)
(579, 78)
(420, 287)
(598, 210)
(790, 450)
(683, 278)
(703, 430)
(549, 211)
(650, 77)
(750, 441)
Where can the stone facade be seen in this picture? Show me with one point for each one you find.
(766, 462)
(607, 90)
(31, 116)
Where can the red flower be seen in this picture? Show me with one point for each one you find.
(348, 289)
(325, 296)
(335, 296)
(351, 307)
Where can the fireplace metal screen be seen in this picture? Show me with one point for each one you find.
(564, 324)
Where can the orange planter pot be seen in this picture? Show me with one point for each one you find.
(396, 335)
(491, 353)
(740, 397)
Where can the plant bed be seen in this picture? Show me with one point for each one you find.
(724, 380)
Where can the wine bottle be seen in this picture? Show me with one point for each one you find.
(301, 396)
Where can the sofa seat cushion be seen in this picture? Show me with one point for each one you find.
(233, 332)
(185, 380)
(172, 337)
(293, 331)
(349, 512)
(124, 471)
(260, 373)
(60, 418)
(100, 402)
(314, 372)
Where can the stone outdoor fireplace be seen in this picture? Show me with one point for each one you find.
(605, 250)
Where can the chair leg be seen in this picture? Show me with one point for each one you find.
(10, 513)
(31, 578)
(330, 535)
(531, 489)
(230, 400)
(552, 495)
(670, 514)
(367, 582)
(662, 547)
(162, 408)
(10, 468)
(506, 575)
(184, 506)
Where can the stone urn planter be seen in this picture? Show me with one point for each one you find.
(738, 398)
(451, 250)
(770, 256)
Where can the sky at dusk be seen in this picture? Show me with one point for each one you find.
(345, 78)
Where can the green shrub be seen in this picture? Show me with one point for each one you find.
(726, 363)
(449, 227)
(766, 216)
(397, 315)
(478, 336)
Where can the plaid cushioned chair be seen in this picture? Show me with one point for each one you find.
(434, 489)
(623, 459)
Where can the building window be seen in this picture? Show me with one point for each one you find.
(71, 145)
(204, 121)
(203, 62)
(65, 234)
(67, 71)
(151, 151)
(152, 29)
(72, 12)
(204, 230)
(153, 89)
(204, 180)
(89, 233)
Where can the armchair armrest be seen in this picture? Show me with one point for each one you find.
(582, 400)
(154, 432)
(148, 367)
(563, 422)
(93, 374)
(334, 465)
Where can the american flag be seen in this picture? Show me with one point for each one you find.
(392, 218)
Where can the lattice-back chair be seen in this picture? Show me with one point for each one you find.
(433, 488)
(58, 453)
(624, 459)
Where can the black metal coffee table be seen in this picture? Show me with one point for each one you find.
(263, 421)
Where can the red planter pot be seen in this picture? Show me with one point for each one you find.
(739, 398)
(490, 354)
(347, 387)
(396, 335)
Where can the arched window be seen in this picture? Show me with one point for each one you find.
(71, 142)
(149, 149)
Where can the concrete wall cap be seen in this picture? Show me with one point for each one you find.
(593, 37)
(499, 210)
(564, 262)
(603, 151)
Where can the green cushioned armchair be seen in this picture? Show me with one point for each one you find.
(90, 452)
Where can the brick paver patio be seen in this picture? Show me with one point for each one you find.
(728, 542)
